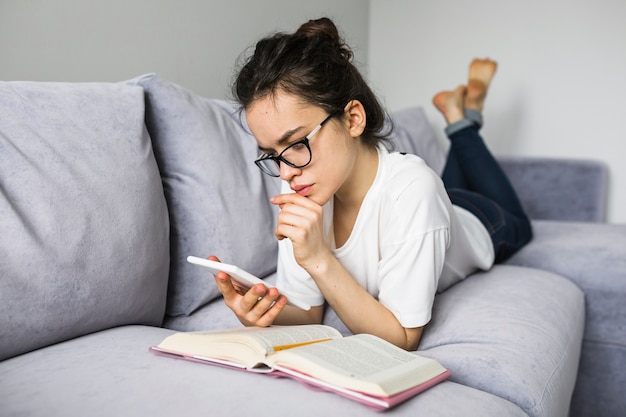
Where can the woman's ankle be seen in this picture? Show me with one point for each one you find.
(457, 126)
(474, 116)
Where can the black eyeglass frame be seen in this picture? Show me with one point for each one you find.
(304, 141)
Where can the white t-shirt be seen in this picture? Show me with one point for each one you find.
(407, 243)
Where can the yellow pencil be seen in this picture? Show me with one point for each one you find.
(294, 345)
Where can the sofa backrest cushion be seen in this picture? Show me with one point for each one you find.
(218, 199)
(564, 189)
(413, 133)
(83, 220)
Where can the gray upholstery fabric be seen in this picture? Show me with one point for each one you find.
(559, 189)
(579, 251)
(601, 381)
(593, 256)
(214, 315)
(513, 332)
(83, 218)
(414, 134)
(217, 197)
(111, 373)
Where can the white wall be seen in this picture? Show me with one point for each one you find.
(560, 90)
(191, 42)
(561, 84)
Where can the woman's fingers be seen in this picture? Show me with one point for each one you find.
(298, 217)
(258, 306)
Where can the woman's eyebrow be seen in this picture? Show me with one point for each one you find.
(282, 141)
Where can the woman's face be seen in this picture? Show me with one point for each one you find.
(280, 120)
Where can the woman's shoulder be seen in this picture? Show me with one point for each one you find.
(405, 170)
(412, 195)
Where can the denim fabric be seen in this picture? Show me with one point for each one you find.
(475, 182)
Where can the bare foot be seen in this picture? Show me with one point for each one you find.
(450, 103)
(481, 73)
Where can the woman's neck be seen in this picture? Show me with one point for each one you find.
(348, 200)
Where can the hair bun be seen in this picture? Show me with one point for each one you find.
(324, 28)
(320, 27)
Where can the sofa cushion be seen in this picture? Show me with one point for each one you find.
(84, 238)
(217, 197)
(111, 373)
(513, 332)
(559, 188)
(593, 256)
(413, 133)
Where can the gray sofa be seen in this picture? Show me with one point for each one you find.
(105, 188)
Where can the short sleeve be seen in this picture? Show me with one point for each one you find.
(414, 242)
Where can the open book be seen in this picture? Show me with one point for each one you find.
(362, 367)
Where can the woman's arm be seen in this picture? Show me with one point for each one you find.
(360, 312)
(300, 220)
(358, 309)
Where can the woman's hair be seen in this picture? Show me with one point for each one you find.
(315, 64)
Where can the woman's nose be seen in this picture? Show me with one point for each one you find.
(287, 172)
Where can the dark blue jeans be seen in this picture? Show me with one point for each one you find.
(475, 182)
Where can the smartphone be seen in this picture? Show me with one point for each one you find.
(242, 278)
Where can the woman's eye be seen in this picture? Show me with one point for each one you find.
(298, 146)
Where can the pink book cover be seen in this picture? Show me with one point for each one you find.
(379, 403)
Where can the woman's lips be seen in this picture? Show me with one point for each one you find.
(303, 190)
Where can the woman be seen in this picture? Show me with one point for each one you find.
(372, 233)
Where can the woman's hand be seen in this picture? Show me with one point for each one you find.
(258, 306)
(301, 221)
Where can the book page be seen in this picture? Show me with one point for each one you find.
(284, 337)
(359, 359)
(246, 345)
(361, 362)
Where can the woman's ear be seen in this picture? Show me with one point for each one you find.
(356, 118)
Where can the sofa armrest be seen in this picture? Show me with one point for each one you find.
(559, 188)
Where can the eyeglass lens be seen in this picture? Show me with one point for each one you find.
(296, 155)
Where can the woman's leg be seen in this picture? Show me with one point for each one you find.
(470, 164)
(472, 176)
(481, 171)
(465, 110)
(452, 104)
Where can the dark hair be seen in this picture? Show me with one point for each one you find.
(314, 64)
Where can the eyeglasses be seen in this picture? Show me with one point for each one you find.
(296, 155)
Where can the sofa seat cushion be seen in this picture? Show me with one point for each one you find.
(85, 235)
(212, 316)
(111, 373)
(513, 332)
(592, 255)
